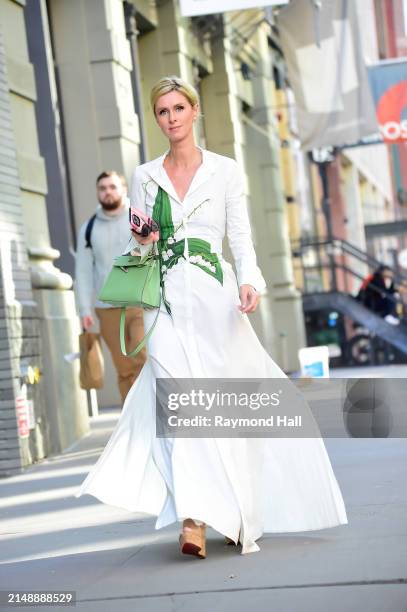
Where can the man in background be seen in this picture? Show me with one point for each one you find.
(100, 239)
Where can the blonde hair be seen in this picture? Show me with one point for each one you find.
(173, 83)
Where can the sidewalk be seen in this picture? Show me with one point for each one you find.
(115, 560)
(385, 371)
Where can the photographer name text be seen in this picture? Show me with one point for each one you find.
(233, 423)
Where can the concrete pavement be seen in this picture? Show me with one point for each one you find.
(386, 371)
(115, 560)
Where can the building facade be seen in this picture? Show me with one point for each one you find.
(360, 187)
(391, 22)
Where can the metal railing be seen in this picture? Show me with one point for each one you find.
(329, 265)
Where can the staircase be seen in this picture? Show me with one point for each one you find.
(335, 260)
(396, 335)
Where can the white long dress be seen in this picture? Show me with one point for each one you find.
(235, 485)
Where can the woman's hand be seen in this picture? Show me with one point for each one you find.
(249, 298)
(152, 237)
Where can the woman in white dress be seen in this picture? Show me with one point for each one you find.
(241, 487)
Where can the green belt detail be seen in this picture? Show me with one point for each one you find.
(196, 247)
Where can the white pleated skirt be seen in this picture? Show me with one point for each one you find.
(249, 486)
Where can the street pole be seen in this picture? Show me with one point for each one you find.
(131, 34)
(326, 208)
(323, 157)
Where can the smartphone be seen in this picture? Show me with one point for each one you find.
(142, 224)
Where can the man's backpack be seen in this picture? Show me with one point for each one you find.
(88, 232)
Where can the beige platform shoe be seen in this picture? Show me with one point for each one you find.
(193, 539)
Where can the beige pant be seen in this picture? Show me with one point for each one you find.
(127, 368)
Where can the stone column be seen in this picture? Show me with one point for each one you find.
(172, 48)
(93, 64)
(286, 303)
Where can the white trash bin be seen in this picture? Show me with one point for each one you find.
(314, 361)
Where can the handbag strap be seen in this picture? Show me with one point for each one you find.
(123, 319)
(123, 337)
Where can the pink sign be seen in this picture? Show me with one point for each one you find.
(22, 410)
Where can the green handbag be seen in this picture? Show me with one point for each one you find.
(133, 281)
